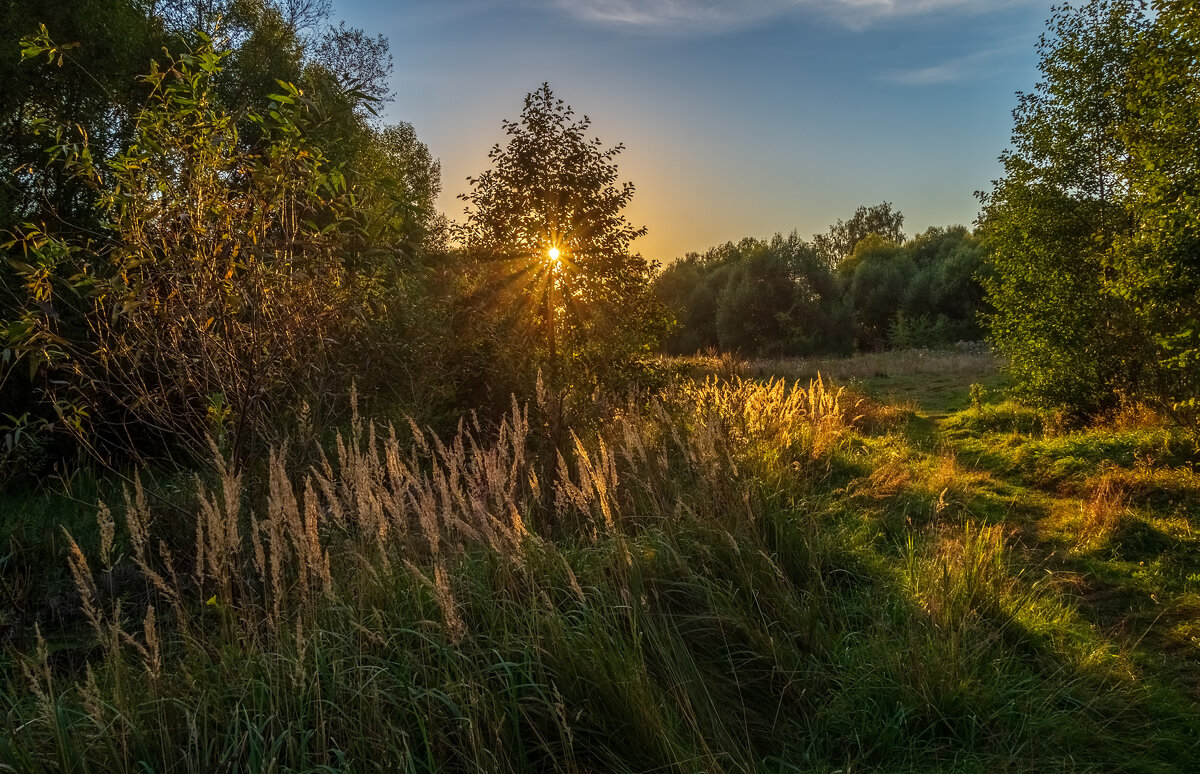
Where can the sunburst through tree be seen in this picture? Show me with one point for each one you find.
(548, 217)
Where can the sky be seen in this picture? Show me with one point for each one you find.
(739, 117)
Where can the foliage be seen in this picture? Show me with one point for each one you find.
(1089, 230)
(1159, 262)
(881, 273)
(780, 298)
(942, 298)
(1050, 221)
(110, 44)
(927, 331)
(755, 297)
(551, 186)
(281, 212)
(115, 39)
(226, 278)
(691, 289)
(949, 267)
(843, 236)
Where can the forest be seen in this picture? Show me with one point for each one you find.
(300, 473)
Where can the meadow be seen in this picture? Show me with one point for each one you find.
(298, 474)
(889, 566)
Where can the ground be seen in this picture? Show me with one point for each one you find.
(1109, 513)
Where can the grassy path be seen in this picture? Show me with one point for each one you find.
(1107, 516)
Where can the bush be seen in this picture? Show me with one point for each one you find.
(219, 301)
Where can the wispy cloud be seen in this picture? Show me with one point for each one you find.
(959, 68)
(946, 72)
(697, 14)
(708, 16)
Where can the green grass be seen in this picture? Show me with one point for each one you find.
(34, 581)
(36, 587)
(736, 577)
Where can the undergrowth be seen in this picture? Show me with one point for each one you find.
(715, 580)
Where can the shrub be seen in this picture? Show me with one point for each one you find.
(229, 281)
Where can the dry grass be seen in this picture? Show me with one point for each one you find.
(416, 508)
(682, 590)
(859, 367)
(1103, 512)
(895, 363)
(712, 362)
(257, 584)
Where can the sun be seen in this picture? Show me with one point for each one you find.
(553, 253)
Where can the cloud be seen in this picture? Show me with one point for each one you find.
(670, 13)
(947, 72)
(959, 68)
(709, 16)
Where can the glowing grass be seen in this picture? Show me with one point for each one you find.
(694, 587)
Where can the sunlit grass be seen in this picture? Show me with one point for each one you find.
(734, 576)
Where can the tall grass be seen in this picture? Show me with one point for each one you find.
(678, 591)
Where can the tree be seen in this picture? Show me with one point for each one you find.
(1159, 260)
(757, 303)
(876, 288)
(113, 41)
(689, 289)
(551, 186)
(106, 44)
(944, 299)
(844, 236)
(1056, 223)
(778, 299)
(758, 297)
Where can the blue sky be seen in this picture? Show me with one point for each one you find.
(739, 117)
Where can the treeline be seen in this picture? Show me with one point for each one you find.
(862, 285)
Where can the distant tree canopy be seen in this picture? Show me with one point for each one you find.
(782, 297)
(843, 236)
(588, 315)
(1093, 232)
(944, 299)
(772, 297)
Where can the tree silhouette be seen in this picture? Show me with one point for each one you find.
(551, 186)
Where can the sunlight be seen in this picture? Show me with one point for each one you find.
(553, 253)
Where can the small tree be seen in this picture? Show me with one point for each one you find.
(553, 187)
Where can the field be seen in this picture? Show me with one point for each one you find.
(891, 568)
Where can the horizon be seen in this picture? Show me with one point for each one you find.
(738, 119)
